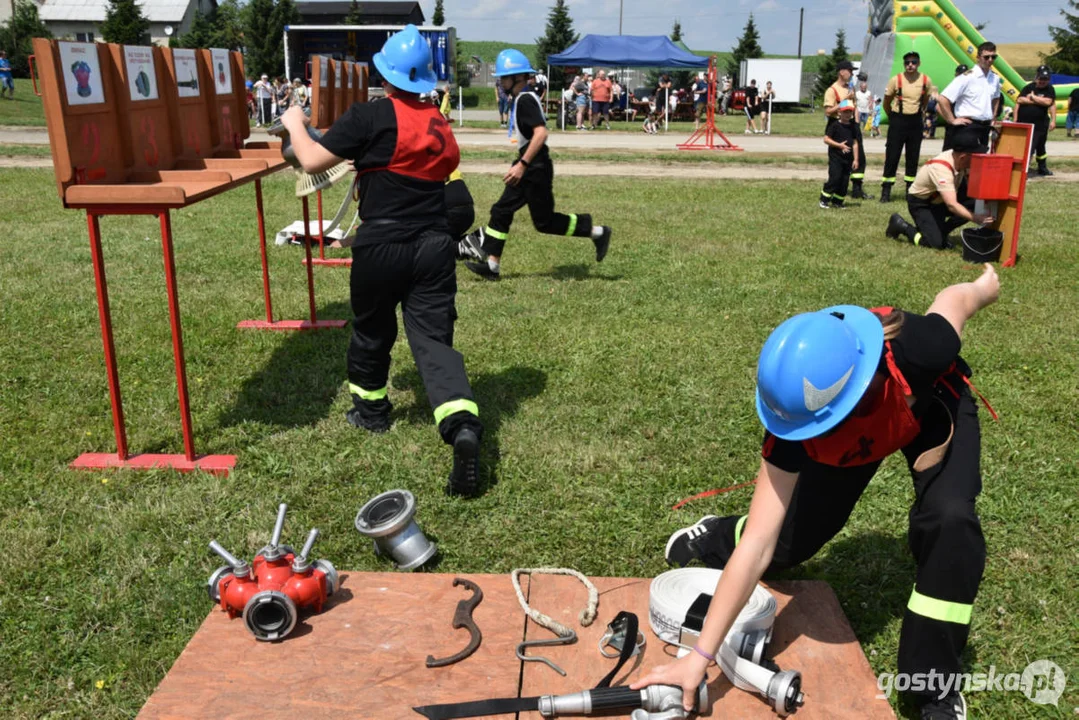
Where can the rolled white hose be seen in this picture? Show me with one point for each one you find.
(673, 592)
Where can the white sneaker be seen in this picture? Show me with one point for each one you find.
(679, 550)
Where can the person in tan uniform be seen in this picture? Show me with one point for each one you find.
(836, 93)
(905, 99)
(934, 200)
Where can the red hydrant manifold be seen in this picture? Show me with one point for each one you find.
(270, 592)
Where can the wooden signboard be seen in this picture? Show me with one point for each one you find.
(144, 111)
(361, 81)
(322, 87)
(188, 87)
(339, 102)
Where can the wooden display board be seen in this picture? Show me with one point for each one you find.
(322, 89)
(361, 81)
(340, 103)
(363, 656)
(349, 77)
(1015, 140)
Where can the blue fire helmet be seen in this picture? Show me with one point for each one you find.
(405, 61)
(512, 62)
(814, 368)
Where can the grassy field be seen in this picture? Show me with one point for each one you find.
(25, 109)
(617, 389)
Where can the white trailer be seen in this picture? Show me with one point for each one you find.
(786, 77)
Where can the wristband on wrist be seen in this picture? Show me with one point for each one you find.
(702, 653)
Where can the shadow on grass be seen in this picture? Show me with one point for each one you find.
(579, 271)
(498, 395)
(298, 384)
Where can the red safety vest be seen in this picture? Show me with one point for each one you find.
(426, 148)
(887, 426)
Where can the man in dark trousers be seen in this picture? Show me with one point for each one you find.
(403, 254)
(905, 100)
(1036, 105)
(973, 98)
(529, 180)
(836, 93)
(934, 200)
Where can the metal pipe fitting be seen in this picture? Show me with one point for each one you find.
(270, 615)
(388, 520)
(274, 551)
(299, 563)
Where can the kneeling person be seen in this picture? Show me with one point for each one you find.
(934, 201)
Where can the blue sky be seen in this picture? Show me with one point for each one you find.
(716, 24)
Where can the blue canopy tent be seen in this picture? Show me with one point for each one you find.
(627, 51)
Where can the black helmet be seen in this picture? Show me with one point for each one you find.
(960, 69)
(1043, 72)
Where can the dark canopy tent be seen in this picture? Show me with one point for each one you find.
(627, 51)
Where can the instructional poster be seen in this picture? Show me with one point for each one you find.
(323, 71)
(222, 71)
(82, 73)
(141, 76)
(187, 72)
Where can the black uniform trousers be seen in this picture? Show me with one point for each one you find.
(944, 533)
(1037, 145)
(934, 221)
(981, 127)
(904, 136)
(536, 190)
(418, 272)
(460, 208)
(857, 176)
(839, 169)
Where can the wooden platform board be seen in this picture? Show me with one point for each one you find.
(363, 657)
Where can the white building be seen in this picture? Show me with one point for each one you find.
(81, 19)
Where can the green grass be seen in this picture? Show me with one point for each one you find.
(25, 109)
(609, 393)
(801, 124)
(25, 150)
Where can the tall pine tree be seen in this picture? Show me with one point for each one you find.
(748, 48)
(201, 34)
(354, 15)
(260, 42)
(284, 13)
(439, 16)
(826, 73)
(125, 24)
(228, 19)
(558, 36)
(1066, 59)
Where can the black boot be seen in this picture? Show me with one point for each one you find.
(859, 193)
(372, 415)
(465, 477)
(898, 227)
(1044, 171)
(886, 192)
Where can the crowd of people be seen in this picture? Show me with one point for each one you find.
(269, 99)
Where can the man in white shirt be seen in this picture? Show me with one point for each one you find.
(264, 95)
(972, 98)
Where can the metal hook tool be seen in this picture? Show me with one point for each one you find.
(561, 640)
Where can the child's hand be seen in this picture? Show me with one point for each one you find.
(845, 148)
(854, 165)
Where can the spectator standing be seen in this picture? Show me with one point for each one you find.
(283, 94)
(700, 100)
(503, 104)
(751, 108)
(663, 92)
(541, 84)
(580, 98)
(842, 140)
(767, 97)
(878, 110)
(863, 101)
(264, 98)
(1072, 123)
(725, 97)
(1036, 104)
(299, 93)
(7, 83)
(836, 93)
(972, 98)
(601, 99)
(905, 99)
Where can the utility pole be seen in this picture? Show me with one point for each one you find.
(619, 16)
(801, 19)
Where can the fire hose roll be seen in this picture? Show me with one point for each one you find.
(673, 592)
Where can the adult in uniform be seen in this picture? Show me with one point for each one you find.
(972, 98)
(839, 390)
(935, 201)
(905, 99)
(403, 254)
(529, 180)
(836, 93)
(1037, 105)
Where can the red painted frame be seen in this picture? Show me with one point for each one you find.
(704, 138)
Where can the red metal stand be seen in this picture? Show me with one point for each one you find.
(704, 138)
(217, 464)
(269, 323)
(322, 259)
